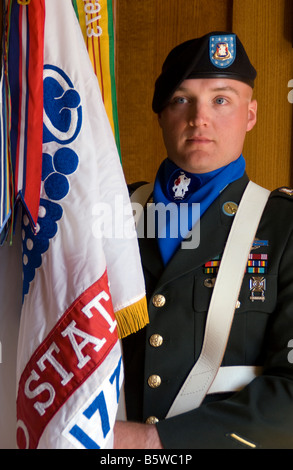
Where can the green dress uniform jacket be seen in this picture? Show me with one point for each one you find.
(159, 357)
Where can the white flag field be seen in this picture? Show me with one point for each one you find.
(83, 285)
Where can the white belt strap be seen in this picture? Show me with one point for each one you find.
(223, 301)
(233, 378)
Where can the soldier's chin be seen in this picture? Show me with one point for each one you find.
(198, 162)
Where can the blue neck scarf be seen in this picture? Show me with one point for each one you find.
(173, 185)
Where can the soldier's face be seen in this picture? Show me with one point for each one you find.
(205, 123)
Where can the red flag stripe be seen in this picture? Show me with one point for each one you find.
(36, 19)
(28, 166)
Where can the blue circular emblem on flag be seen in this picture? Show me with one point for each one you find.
(62, 107)
(222, 50)
(62, 124)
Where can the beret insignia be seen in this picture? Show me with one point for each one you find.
(223, 50)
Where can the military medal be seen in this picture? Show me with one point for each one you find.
(257, 287)
(259, 243)
(212, 267)
(257, 264)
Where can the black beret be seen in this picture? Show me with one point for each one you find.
(218, 54)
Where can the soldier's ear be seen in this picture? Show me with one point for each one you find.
(252, 114)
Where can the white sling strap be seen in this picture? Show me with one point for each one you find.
(223, 301)
(139, 199)
(233, 378)
(141, 195)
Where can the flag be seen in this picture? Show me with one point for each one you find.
(6, 183)
(96, 22)
(5, 163)
(83, 285)
(25, 29)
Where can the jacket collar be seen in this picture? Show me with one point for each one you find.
(213, 230)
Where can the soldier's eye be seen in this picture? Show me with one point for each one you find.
(220, 100)
(179, 100)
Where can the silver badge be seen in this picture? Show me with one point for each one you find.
(257, 287)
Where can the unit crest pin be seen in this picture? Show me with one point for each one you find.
(222, 50)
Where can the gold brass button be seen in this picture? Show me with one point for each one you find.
(156, 340)
(159, 300)
(154, 381)
(210, 282)
(230, 208)
(152, 420)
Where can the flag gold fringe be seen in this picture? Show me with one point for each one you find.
(132, 318)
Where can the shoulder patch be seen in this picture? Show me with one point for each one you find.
(283, 191)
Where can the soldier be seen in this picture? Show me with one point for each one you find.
(240, 392)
